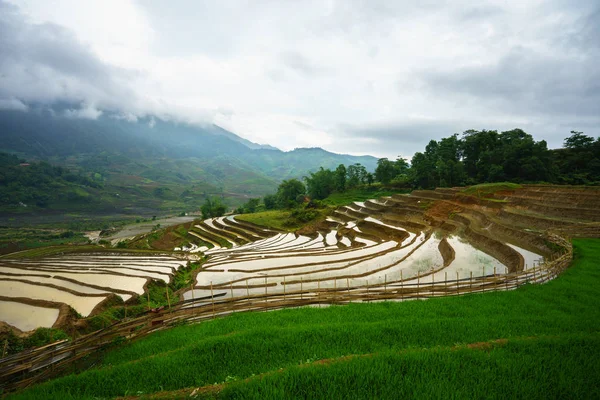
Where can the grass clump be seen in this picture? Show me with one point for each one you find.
(350, 196)
(39, 337)
(285, 220)
(489, 189)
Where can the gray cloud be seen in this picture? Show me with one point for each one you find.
(392, 139)
(46, 63)
(525, 81)
(355, 76)
(13, 104)
(86, 111)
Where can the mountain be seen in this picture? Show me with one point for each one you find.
(245, 142)
(151, 153)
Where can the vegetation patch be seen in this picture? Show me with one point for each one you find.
(489, 189)
(360, 194)
(546, 331)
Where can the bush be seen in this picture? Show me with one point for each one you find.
(304, 215)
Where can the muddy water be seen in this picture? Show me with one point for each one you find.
(26, 317)
(67, 266)
(257, 265)
(531, 259)
(469, 260)
(83, 304)
(60, 282)
(127, 283)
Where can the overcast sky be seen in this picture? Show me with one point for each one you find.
(359, 77)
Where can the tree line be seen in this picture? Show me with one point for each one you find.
(474, 157)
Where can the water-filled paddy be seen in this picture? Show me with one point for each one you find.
(27, 317)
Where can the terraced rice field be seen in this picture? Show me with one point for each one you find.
(429, 235)
(39, 287)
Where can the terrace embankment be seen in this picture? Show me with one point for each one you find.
(395, 239)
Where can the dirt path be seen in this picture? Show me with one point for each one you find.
(129, 231)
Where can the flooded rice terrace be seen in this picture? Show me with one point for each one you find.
(81, 281)
(368, 243)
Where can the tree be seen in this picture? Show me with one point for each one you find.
(401, 166)
(362, 174)
(340, 178)
(249, 207)
(212, 208)
(579, 161)
(385, 171)
(270, 201)
(320, 184)
(289, 191)
(353, 175)
(578, 140)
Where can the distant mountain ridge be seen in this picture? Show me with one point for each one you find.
(239, 139)
(160, 152)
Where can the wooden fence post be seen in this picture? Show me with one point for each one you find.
(495, 281)
(212, 300)
(168, 298)
(401, 286)
(457, 287)
(445, 282)
(193, 301)
(319, 291)
(385, 284)
(334, 290)
(348, 289)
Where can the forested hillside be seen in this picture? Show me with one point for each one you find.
(489, 156)
(475, 157)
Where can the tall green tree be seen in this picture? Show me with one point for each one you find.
(340, 178)
(353, 173)
(320, 184)
(289, 191)
(270, 201)
(212, 208)
(385, 171)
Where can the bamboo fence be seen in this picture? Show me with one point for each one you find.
(21, 370)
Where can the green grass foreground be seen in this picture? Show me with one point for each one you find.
(539, 341)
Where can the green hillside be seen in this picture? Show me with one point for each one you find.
(536, 342)
(127, 169)
(160, 151)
